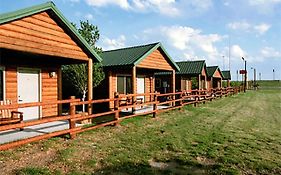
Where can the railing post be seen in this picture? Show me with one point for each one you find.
(181, 100)
(72, 113)
(155, 104)
(116, 108)
(196, 97)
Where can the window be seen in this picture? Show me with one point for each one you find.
(1, 83)
(157, 83)
(124, 84)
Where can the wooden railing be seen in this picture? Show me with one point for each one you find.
(170, 101)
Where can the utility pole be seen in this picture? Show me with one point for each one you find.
(260, 76)
(254, 78)
(245, 79)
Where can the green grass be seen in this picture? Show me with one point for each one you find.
(234, 135)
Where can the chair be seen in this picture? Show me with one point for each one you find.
(10, 117)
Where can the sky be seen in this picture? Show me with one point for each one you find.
(218, 31)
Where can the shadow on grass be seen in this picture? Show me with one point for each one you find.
(169, 167)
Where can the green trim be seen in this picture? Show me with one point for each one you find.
(153, 49)
(7, 17)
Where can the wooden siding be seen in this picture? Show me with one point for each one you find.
(39, 34)
(49, 91)
(203, 73)
(217, 74)
(156, 60)
(11, 83)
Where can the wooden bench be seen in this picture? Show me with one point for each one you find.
(10, 117)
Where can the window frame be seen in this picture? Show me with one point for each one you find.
(124, 76)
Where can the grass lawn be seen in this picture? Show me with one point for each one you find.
(234, 135)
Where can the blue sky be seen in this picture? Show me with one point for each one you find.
(188, 29)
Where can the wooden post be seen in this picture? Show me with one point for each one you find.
(196, 97)
(173, 86)
(90, 84)
(181, 100)
(72, 112)
(116, 108)
(59, 90)
(134, 88)
(155, 104)
(199, 81)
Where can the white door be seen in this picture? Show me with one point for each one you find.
(29, 91)
(140, 87)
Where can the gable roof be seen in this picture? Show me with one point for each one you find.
(132, 56)
(50, 6)
(226, 75)
(187, 68)
(211, 70)
(191, 67)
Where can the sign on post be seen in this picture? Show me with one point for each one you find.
(242, 71)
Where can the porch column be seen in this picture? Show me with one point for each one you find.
(90, 83)
(228, 83)
(206, 82)
(211, 83)
(60, 90)
(173, 85)
(199, 81)
(134, 83)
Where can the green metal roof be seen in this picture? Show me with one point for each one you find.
(132, 56)
(211, 70)
(188, 68)
(191, 67)
(11, 16)
(226, 75)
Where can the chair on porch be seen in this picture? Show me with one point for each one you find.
(8, 116)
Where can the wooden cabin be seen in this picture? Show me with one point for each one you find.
(131, 70)
(34, 43)
(226, 76)
(214, 77)
(191, 72)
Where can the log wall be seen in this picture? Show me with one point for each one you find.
(39, 34)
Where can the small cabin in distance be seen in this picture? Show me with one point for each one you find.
(226, 77)
(214, 77)
(192, 75)
(131, 70)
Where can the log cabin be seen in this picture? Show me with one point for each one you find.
(131, 70)
(191, 72)
(34, 44)
(226, 76)
(214, 77)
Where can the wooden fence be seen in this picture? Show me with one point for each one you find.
(122, 103)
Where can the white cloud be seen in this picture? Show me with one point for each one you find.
(99, 3)
(264, 6)
(89, 16)
(166, 7)
(269, 52)
(242, 25)
(237, 51)
(262, 28)
(170, 8)
(188, 42)
(109, 44)
(247, 27)
(264, 2)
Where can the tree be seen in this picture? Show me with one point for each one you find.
(76, 76)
